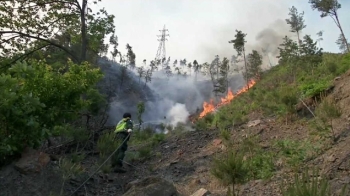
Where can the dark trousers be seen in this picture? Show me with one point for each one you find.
(118, 157)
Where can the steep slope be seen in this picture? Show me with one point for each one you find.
(185, 157)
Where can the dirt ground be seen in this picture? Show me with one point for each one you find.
(185, 160)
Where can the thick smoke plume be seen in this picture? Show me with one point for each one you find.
(171, 100)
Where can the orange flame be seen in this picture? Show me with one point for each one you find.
(210, 107)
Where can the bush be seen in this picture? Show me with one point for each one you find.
(327, 111)
(304, 184)
(35, 99)
(230, 169)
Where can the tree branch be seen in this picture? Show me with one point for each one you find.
(78, 5)
(24, 55)
(45, 40)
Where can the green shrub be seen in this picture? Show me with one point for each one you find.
(295, 152)
(35, 99)
(310, 185)
(314, 88)
(230, 169)
(327, 111)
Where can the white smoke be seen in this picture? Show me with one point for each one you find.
(177, 114)
(176, 97)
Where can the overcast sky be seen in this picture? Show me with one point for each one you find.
(201, 29)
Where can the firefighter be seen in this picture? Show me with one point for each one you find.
(123, 131)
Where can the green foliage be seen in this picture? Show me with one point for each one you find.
(260, 162)
(69, 168)
(326, 7)
(140, 111)
(294, 152)
(310, 185)
(276, 93)
(314, 88)
(344, 64)
(327, 111)
(35, 99)
(305, 185)
(218, 71)
(289, 98)
(230, 169)
(330, 8)
(254, 62)
(205, 122)
(261, 165)
(46, 18)
(106, 145)
(239, 42)
(296, 20)
(145, 141)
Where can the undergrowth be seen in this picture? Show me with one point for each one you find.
(277, 94)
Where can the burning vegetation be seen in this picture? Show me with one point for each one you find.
(209, 107)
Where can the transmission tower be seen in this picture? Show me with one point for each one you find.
(161, 52)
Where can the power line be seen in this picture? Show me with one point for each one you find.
(161, 52)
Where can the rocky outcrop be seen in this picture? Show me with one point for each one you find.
(32, 161)
(151, 186)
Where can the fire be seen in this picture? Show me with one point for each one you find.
(210, 107)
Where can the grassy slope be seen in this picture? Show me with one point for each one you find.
(275, 96)
(277, 88)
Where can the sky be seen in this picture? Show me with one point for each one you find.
(201, 29)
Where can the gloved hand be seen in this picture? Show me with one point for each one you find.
(129, 130)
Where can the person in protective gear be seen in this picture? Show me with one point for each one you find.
(122, 130)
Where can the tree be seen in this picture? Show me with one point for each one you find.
(131, 56)
(175, 63)
(288, 51)
(23, 22)
(148, 76)
(309, 51)
(230, 170)
(39, 99)
(234, 63)
(296, 21)
(254, 65)
(178, 72)
(320, 38)
(239, 46)
(330, 8)
(153, 66)
(223, 79)
(266, 53)
(342, 44)
(140, 111)
(189, 66)
(205, 68)
(196, 68)
(218, 73)
(140, 72)
(113, 40)
(288, 54)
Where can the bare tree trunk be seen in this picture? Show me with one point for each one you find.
(246, 69)
(342, 33)
(83, 31)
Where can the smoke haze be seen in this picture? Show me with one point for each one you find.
(173, 99)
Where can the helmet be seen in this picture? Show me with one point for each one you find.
(126, 115)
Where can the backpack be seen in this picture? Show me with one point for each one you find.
(121, 125)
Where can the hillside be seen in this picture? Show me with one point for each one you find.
(275, 147)
(268, 114)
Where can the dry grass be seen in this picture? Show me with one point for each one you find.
(193, 184)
